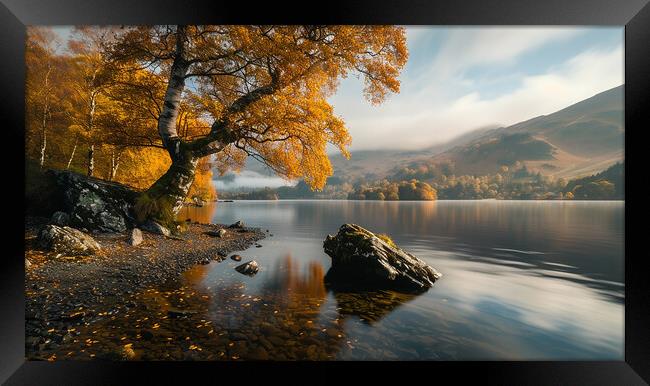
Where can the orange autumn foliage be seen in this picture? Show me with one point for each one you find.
(265, 87)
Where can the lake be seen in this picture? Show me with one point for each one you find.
(522, 280)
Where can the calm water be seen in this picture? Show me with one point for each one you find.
(523, 280)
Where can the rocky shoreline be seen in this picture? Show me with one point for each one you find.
(64, 292)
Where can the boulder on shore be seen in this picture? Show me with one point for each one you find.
(67, 240)
(218, 233)
(237, 225)
(135, 237)
(153, 227)
(95, 204)
(88, 202)
(360, 259)
(60, 218)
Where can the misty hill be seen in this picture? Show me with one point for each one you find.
(581, 139)
(377, 164)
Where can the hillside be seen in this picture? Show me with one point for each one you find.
(579, 140)
(606, 185)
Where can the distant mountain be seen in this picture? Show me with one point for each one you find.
(579, 140)
(373, 164)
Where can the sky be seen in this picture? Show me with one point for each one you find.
(462, 78)
(459, 79)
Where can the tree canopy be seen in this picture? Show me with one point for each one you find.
(263, 89)
(156, 101)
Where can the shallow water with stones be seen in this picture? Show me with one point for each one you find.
(523, 280)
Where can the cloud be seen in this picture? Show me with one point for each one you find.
(442, 98)
(249, 179)
(468, 47)
(546, 300)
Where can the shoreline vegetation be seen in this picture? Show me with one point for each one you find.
(433, 184)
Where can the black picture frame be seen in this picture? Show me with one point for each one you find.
(16, 14)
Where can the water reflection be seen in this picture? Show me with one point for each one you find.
(522, 281)
(288, 278)
(202, 214)
(369, 306)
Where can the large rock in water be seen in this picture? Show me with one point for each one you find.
(67, 240)
(360, 259)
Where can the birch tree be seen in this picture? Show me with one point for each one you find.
(262, 90)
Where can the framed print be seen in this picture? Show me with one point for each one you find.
(431, 187)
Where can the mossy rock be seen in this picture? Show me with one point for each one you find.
(361, 259)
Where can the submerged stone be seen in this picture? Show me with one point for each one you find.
(360, 259)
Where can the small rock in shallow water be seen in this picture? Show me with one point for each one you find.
(250, 268)
(146, 334)
(236, 257)
(258, 354)
(238, 336)
(176, 313)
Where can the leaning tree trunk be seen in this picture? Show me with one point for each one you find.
(171, 189)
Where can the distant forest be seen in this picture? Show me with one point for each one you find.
(429, 181)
